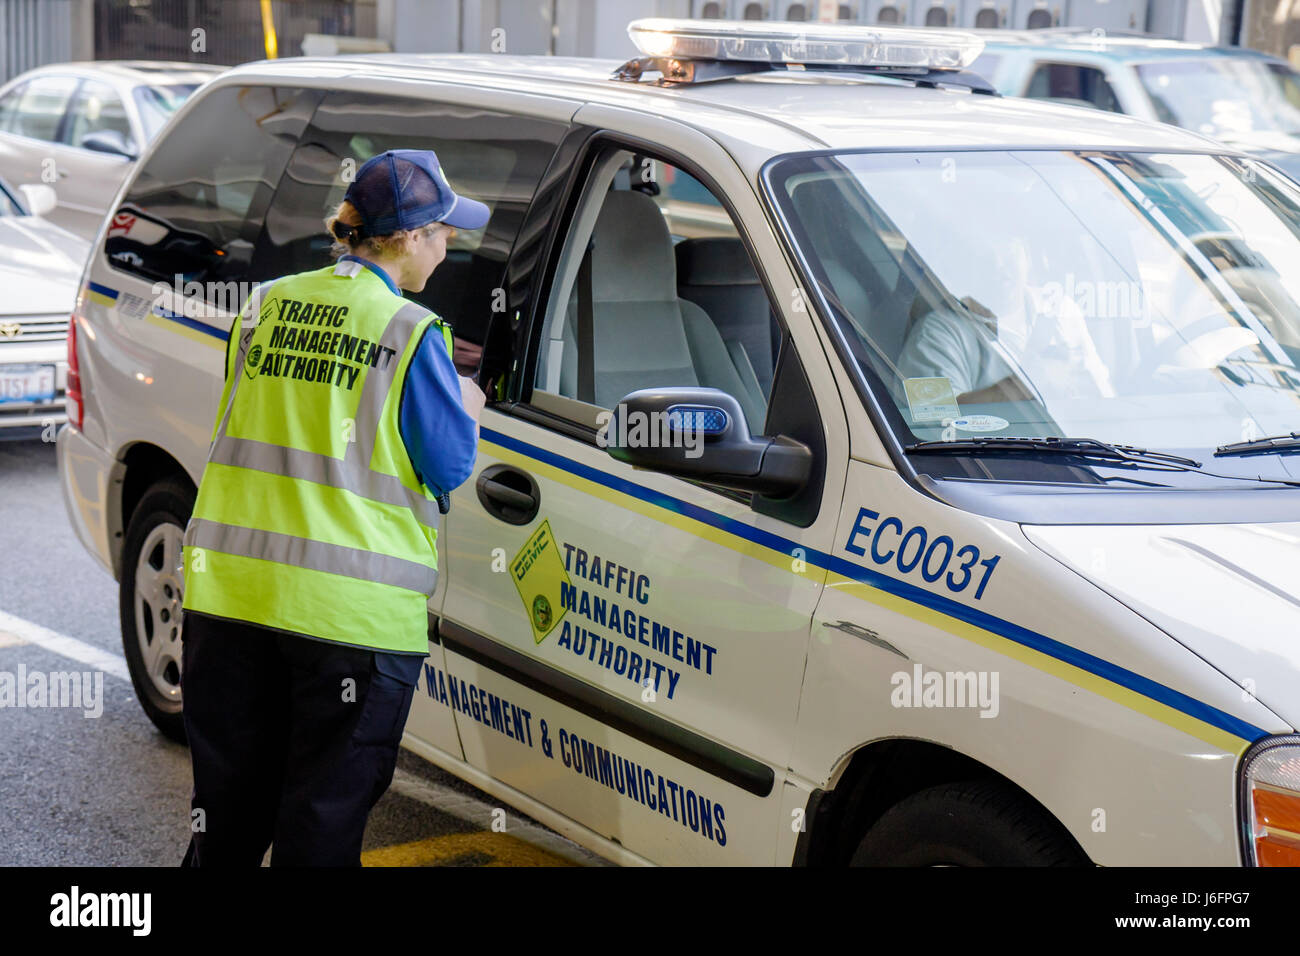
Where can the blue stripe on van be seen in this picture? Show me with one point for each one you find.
(219, 334)
(191, 323)
(910, 592)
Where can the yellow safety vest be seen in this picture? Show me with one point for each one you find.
(310, 518)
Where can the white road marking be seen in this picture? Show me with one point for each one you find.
(15, 631)
(65, 646)
(479, 813)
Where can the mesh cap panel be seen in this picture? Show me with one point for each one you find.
(406, 189)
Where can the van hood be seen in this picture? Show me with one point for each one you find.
(1229, 593)
(40, 266)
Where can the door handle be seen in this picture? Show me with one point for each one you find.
(508, 494)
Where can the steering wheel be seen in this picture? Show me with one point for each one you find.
(1185, 339)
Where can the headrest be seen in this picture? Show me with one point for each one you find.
(633, 256)
(714, 261)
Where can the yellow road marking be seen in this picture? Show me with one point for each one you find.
(502, 848)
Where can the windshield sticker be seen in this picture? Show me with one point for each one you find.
(539, 576)
(930, 399)
(980, 423)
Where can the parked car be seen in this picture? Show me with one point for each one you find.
(872, 472)
(40, 266)
(1239, 96)
(80, 126)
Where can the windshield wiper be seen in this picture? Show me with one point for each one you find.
(1276, 443)
(1087, 447)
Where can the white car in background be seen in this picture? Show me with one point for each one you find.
(40, 264)
(1239, 96)
(80, 126)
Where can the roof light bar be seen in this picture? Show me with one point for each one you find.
(757, 41)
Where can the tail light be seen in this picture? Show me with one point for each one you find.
(76, 412)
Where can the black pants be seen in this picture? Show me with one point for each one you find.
(293, 741)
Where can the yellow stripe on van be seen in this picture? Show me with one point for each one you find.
(193, 335)
(1125, 697)
(1077, 676)
(750, 549)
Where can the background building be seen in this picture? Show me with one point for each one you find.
(33, 32)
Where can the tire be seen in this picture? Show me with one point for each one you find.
(969, 823)
(149, 601)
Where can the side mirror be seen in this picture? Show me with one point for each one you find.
(108, 141)
(40, 199)
(701, 434)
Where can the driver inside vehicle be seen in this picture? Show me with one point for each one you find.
(980, 349)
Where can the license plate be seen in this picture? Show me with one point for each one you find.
(26, 383)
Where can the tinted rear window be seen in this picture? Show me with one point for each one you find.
(197, 206)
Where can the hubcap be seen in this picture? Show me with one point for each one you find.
(159, 589)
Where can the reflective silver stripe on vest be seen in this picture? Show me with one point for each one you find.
(353, 472)
(378, 383)
(252, 307)
(324, 470)
(312, 555)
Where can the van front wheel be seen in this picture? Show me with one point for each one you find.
(149, 602)
(970, 823)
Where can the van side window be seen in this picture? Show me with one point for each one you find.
(195, 210)
(673, 297)
(1072, 84)
(496, 158)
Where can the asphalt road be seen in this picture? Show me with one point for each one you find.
(109, 790)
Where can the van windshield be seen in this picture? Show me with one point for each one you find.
(1149, 299)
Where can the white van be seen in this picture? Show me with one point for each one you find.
(937, 520)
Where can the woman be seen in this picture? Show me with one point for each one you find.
(311, 553)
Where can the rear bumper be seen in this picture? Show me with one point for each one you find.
(85, 470)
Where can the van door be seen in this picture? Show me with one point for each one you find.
(623, 646)
(491, 156)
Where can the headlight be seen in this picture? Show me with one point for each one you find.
(1270, 803)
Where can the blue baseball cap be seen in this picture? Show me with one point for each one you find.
(406, 189)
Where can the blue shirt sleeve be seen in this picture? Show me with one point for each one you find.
(440, 436)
